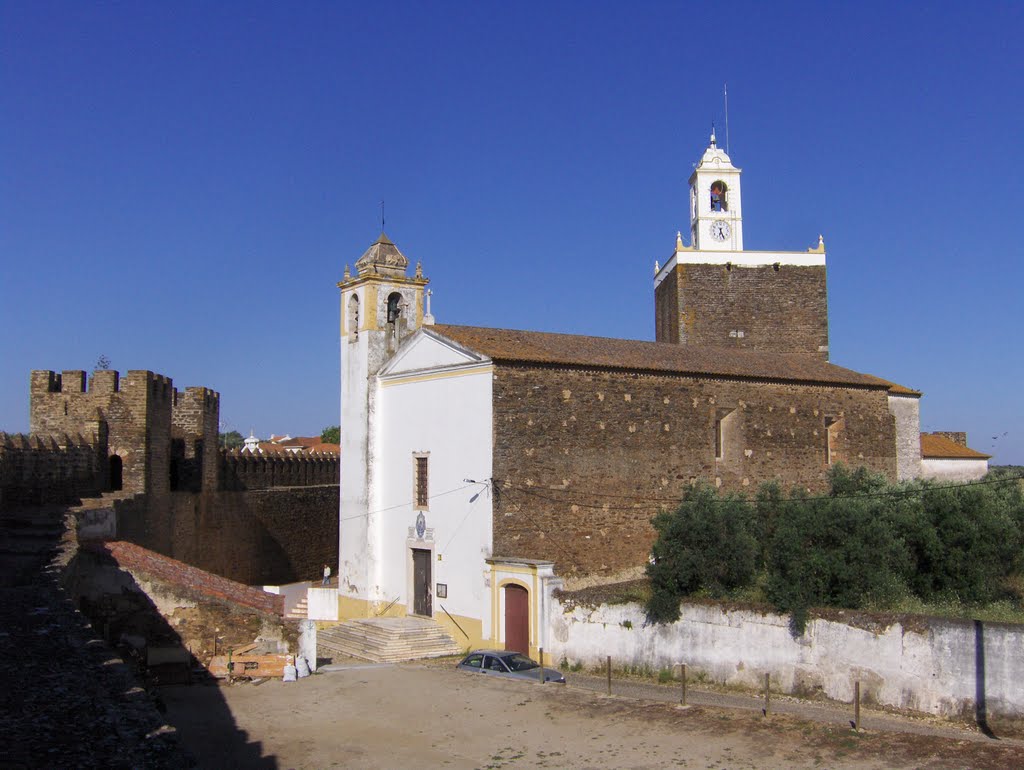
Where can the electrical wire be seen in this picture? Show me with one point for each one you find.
(534, 491)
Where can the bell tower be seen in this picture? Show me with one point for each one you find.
(716, 212)
(380, 307)
(715, 293)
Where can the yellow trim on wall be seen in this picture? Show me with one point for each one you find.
(474, 628)
(370, 311)
(399, 380)
(349, 608)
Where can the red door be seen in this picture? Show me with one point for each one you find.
(517, 619)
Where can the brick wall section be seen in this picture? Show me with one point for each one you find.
(667, 310)
(132, 558)
(136, 410)
(195, 420)
(582, 458)
(260, 537)
(784, 310)
(243, 470)
(61, 469)
(956, 436)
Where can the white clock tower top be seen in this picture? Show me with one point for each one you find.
(716, 216)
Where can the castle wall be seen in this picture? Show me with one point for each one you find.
(781, 308)
(35, 471)
(244, 470)
(584, 459)
(195, 419)
(136, 409)
(258, 537)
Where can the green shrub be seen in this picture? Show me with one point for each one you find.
(706, 543)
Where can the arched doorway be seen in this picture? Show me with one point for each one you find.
(116, 473)
(517, 619)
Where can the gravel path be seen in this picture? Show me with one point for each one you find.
(826, 713)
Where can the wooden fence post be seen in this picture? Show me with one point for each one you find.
(609, 674)
(856, 705)
(541, 651)
(767, 693)
(682, 678)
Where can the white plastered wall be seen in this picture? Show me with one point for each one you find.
(439, 406)
(906, 411)
(953, 469)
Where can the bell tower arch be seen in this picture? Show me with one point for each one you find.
(716, 210)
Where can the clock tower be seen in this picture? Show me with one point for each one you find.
(714, 293)
(716, 212)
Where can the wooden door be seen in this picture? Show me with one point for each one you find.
(421, 602)
(517, 619)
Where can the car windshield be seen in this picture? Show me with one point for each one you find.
(519, 663)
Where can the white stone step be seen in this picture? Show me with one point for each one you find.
(388, 639)
(300, 611)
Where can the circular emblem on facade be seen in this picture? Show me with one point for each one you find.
(421, 525)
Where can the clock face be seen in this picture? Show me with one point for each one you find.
(720, 230)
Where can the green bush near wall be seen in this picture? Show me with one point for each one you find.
(865, 543)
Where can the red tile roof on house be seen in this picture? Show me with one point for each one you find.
(940, 447)
(508, 345)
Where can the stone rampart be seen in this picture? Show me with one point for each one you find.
(54, 469)
(256, 537)
(245, 471)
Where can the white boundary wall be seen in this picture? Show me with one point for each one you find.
(931, 668)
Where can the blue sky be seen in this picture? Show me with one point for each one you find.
(183, 183)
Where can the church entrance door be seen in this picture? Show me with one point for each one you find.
(421, 602)
(517, 619)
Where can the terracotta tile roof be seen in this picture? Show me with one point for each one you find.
(899, 390)
(940, 447)
(604, 352)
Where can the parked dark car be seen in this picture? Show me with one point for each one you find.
(507, 663)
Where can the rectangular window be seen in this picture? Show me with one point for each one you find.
(421, 489)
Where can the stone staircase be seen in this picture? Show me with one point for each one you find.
(300, 611)
(386, 640)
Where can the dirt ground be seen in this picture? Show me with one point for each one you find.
(415, 716)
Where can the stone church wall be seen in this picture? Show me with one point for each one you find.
(782, 309)
(583, 459)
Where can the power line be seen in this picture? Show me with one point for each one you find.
(402, 505)
(742, 499)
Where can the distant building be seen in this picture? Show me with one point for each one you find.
(946, 456)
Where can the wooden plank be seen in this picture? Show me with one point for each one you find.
(250, 665)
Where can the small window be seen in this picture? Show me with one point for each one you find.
(495, 664)
(421, 489)
(722, 420)
(474, 661)
(718, 199)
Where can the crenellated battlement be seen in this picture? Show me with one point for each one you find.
(49, 469)
(244, 470)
